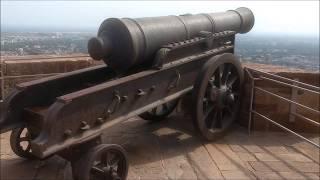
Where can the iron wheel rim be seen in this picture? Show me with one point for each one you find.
(110, 165)
(205, 97)
(221, 98)
(96, 165)
(17, 138)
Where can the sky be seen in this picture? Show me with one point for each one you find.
(280, 17)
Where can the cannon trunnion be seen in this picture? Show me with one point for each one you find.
(69, 119)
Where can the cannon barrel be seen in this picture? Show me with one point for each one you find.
(124, 43)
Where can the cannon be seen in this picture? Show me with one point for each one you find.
(126, 43)
(150, 63)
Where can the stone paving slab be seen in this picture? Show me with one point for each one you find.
(171, 150)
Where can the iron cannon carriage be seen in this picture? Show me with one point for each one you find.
(149, 64)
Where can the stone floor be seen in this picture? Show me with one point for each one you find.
(171, 150)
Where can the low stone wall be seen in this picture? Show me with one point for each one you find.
(279, 110)
(21, 69)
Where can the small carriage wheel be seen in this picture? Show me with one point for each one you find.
(216, 95)
(20, 142)
(102, 162)
(160, 112)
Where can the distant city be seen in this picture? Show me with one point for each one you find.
(297, 52)
(291, 51)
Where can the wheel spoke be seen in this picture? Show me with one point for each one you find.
(112, 159)
(232, 81)
(28, 148)
(205, 104)
(105, 158)
(217, 78)
(22, 139)
(235, 97)
(114, 162)
(97, 171)
(211, 82)
(218, 121)
(221, 70)
(213, 120)
(209, 109)
(230, 99)
(226, 73)
(209, 116)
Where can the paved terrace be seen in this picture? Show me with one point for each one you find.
(170, 150)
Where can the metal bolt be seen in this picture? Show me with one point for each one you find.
(124, 98)
(153, 88)
(67, 133)
(100, 120)
(107, 114)
(84, 125)
(141, 92)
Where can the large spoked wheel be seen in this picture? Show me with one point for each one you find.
(216, 95)
(103, 162)
(160, 112)
(20, 142)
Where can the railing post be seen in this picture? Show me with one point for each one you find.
(251, 100)
(293, 107)
(2, 79)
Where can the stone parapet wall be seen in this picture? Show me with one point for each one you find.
(22, 69)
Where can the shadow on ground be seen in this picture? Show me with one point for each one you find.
(171, 149)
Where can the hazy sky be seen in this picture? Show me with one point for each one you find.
(290, 17)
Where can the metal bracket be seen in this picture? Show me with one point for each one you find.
(161, 55)
(208, 36)
(176, 82)
(114, 105)
(84, 126)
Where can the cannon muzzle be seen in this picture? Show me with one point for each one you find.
(125, 43)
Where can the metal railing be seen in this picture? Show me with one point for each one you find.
(255, 75)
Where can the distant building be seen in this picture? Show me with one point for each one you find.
(20, 51)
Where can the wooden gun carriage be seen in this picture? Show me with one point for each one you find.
(150, 64)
